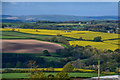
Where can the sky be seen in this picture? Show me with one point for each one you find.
(60, 0)
(61, 8)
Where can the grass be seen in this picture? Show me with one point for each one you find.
(82, 75)
(25, 75)
(36, 54)
(13, 37)
(15, 75)
(50, 58)
(53, 57)
(19, 35)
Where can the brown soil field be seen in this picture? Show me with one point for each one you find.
(28, 46)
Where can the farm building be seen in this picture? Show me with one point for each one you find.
(67, 31)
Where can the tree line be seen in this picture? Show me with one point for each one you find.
(79, 56)
(94, 25)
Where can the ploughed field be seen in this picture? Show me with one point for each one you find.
(28, 46)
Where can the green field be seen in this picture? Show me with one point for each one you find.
(50, 58)
(18, 35)
(25, 75)
(107, 44)
(13, 35)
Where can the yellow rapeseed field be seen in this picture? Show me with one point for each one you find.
(87, 35)
(98, 45)
(113, 41)
(55, 69)
(5, 29)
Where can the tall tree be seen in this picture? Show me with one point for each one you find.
(78, 64)
(68, 67)
(32, 64)
(18, 64)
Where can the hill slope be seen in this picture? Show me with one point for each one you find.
(32, 18)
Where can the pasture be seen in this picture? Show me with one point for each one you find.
(25, 75)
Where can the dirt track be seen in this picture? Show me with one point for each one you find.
(28, 46)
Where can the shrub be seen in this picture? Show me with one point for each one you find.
(39, 75)
(117, 50)
(62, 76)
(50, 76)
(97, 39)
(45, 52)
(80, 38)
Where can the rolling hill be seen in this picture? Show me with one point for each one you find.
(32, 18)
